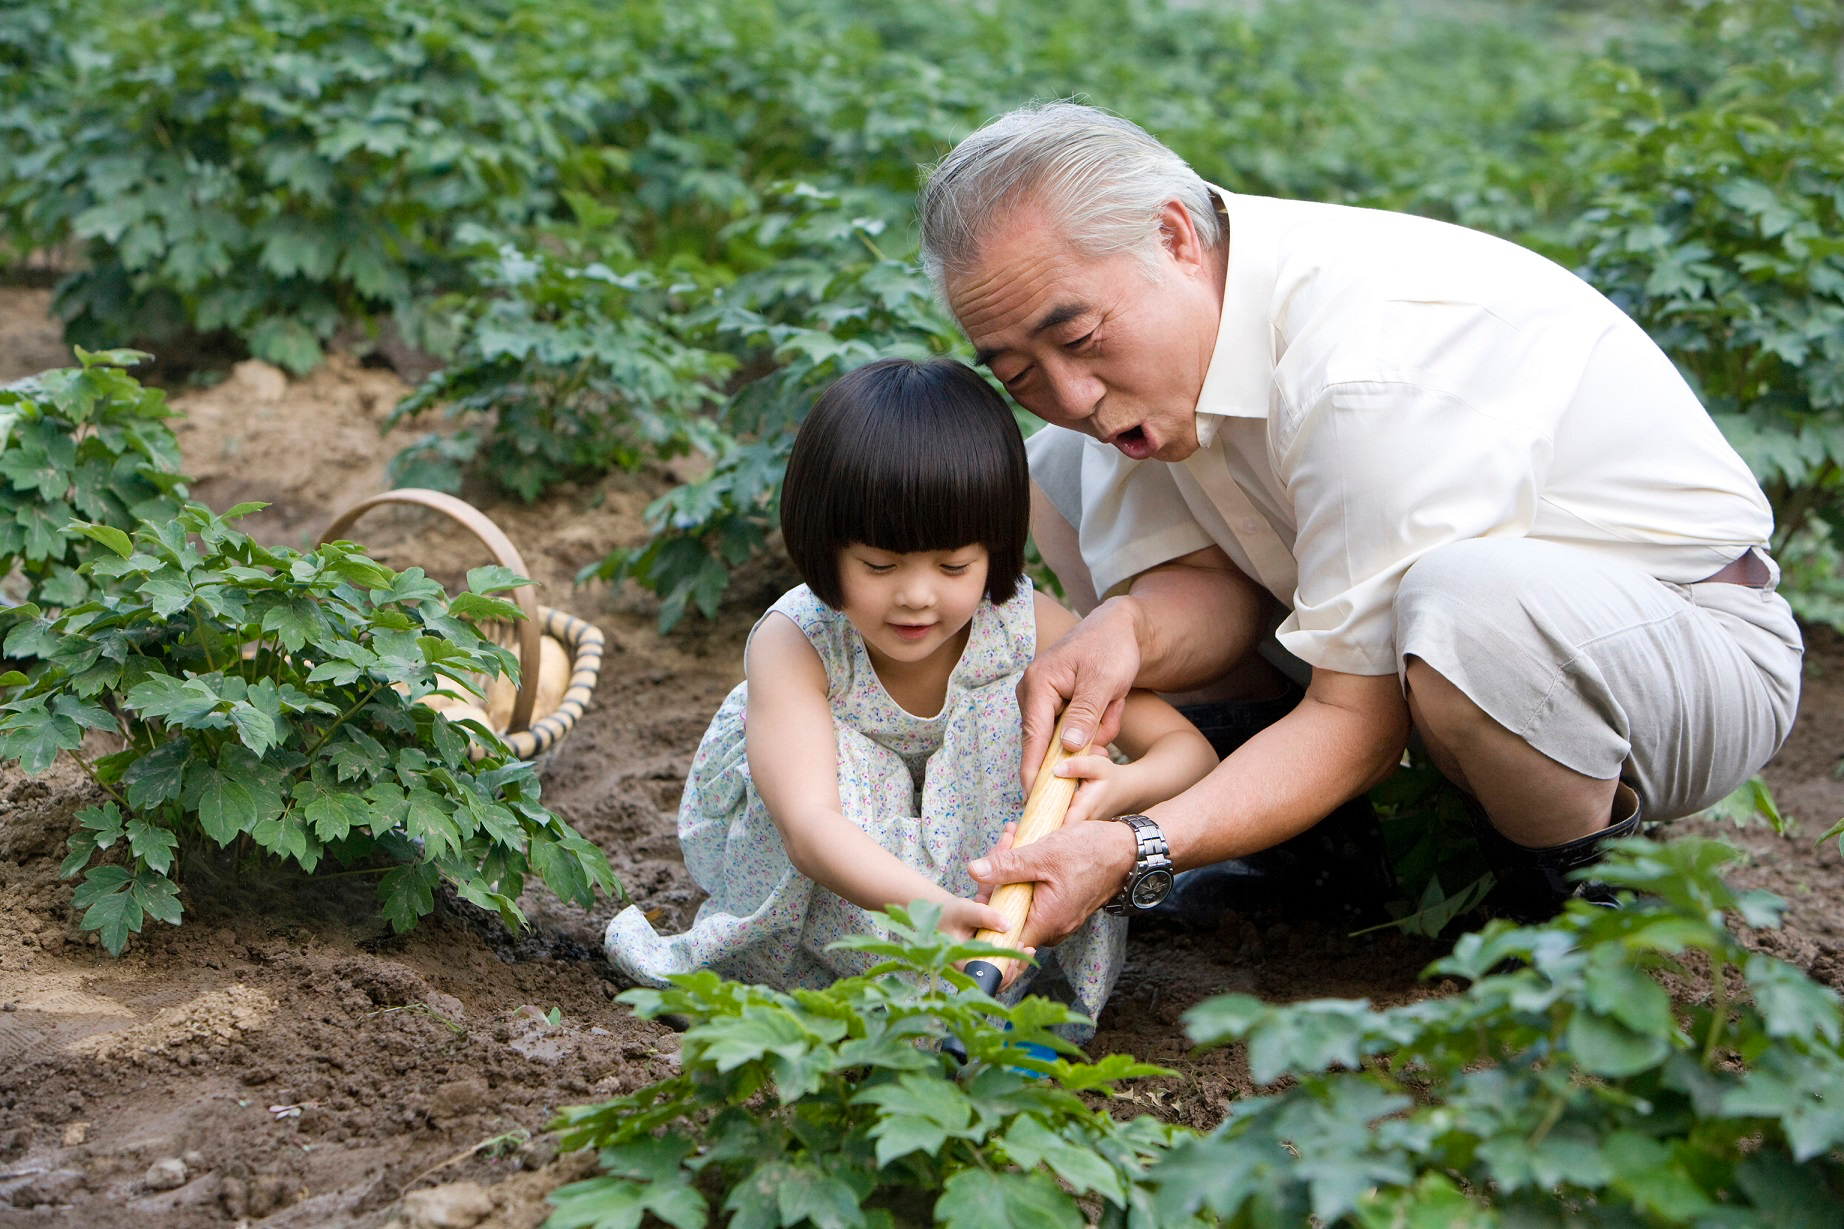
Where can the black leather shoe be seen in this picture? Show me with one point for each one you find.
(1338, 870)
(1534, 884)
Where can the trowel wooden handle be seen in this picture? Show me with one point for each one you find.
(1044, 810)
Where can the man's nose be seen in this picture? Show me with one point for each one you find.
(1077, 392)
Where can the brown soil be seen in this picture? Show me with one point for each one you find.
(307, 1068)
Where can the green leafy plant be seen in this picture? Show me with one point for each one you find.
(269, 168)
(578, 369)
(1626, 1067)
(1717, 195)
(1566, 1085)
(833, 1107)
(79, 442)
(263, 701)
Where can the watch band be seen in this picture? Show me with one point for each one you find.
(1152, 861)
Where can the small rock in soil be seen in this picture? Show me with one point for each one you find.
(459, 1205)
(195, 1161)
(166, 1175)
(459, 1099)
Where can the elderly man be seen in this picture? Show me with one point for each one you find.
(1490, 508)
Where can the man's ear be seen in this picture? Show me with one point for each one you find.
(1179, 237)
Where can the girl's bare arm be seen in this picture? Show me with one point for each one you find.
(794, 761)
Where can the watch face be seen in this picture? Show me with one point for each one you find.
(1151, 888)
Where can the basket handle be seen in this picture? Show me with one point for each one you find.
(490, 535)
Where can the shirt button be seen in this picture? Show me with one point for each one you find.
(1249, 524)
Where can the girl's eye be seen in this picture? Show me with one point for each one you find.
(878, 569)
(953, 569)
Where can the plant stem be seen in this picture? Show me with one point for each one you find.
(91, 774)
(1551, 1117)
(204, 645)
(1719, 1016)
(338, 721)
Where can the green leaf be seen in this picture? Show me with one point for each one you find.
(332, 813)
(1030, 1143)
(560, 869)
(920, 1113)
(1604, 1046)
(1792, 1004)
(474, 606)
(619, 1203)
(108, 535)
(152, 845)
(158, 776)
(407, 893)
(225, 802)
(795, 1192)
(34, 737)
(493, 579)
(115, 902)
(1787, 1195)
(976, 1199)
(426, 819)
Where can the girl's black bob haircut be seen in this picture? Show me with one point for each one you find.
(905, 456)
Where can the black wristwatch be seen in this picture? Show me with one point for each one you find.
(1151, 876)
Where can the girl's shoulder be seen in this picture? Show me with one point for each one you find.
(825, 629)
(808, 613)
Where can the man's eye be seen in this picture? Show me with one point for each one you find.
(1081, 343)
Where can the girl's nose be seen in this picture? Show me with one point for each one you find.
(916, 593)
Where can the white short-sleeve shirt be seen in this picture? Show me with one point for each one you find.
(1385, 384)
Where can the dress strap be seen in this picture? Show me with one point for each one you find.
(1003, 640)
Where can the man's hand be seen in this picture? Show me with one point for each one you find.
(1076, 870)
(1093, 668)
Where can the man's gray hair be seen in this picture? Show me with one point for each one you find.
(1101, 179)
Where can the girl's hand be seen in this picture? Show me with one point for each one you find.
(1104, 791)
(961, 918)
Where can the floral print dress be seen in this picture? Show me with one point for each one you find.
(934, 791)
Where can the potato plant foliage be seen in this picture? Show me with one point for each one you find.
(645, 228)
(1566, 1085)
(85, 441)
(262, 700)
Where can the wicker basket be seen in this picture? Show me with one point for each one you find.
(529, 735)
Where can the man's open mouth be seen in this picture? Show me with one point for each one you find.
(1134, 443)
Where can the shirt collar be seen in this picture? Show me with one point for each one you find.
(1242, 365)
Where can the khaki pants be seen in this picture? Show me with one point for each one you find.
(1682, 690)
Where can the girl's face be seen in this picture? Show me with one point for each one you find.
(907, 607)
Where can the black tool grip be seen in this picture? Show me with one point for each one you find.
(985, 975)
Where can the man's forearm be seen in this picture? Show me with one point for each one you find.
(1286, 778)
(1192, 623)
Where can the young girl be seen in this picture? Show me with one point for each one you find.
(873, 750)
